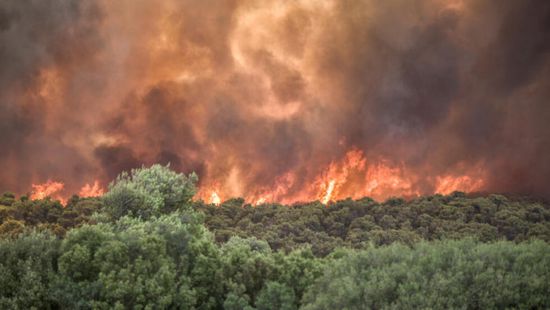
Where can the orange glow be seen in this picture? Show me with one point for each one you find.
(215, 199)
(383, 182)
(263, 100)
(279, 192)
(48, 189)
(328, 194)
(353, 176)
(94, 190)
(448, 184)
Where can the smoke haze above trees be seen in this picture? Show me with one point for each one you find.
(251, 96)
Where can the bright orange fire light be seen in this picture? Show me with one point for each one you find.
(48, 189)
(328, 194)
(215, 199)
(349, 177)
(353, 177)
(94, 190)
(448, 184)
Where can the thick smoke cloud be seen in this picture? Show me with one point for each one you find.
(246, 93)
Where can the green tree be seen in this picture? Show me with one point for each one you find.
(247, 264)
(147, 192)
(276, 296)
(167, 261)
(442, 275)
(27, 271)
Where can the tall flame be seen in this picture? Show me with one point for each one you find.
(328, 194)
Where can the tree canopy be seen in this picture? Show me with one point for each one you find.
(147, 245)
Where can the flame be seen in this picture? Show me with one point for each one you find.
(260, 201)
(448, 184)
(94, 190)
(53, 189)
(215, 199)
(353, 176)
(328, 194)
(279, 192)
(48, 189)
(383, 181)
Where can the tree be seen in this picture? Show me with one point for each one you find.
(276, 296)
(247, 264)
(441, 275)
(167, 261)
(147, 192)
(27, 271)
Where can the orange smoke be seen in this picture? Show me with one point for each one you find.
(277, 101)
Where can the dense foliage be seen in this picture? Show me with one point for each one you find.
(147, 192)
(358, 223)
(437, 275)
(147, 245)
(16, 215)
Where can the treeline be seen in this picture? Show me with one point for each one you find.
(146, 245)
(345, 223)
(19, 215)
(358, 223)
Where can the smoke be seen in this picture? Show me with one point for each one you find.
(271, 96)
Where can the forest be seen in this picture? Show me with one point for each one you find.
(148, 244)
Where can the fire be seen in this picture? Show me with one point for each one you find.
(54, 190)
(279, 192)
(94, 190)
(448, 184)
(328, 194)
(215, 199)
(48, 189)
(355, 177)
(352, 176)
(230, 91)
(383, 181)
